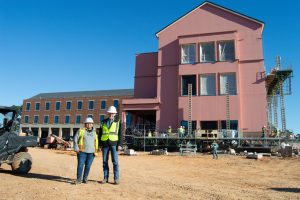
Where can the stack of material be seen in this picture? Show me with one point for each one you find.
(254, 155)
(159, 152)
(287, 152)
(130, 152)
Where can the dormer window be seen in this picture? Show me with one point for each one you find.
(188, 53)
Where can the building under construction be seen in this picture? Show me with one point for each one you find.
(208, 76)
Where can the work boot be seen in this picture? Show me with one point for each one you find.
(77, 182)
(117, 182)
(85, 181)
(104, 181)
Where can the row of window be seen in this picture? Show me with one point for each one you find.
(78, 119)
(212, 125)
(227, 84)
(69, 105)
(207, 53)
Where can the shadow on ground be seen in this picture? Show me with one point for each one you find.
(295, 190)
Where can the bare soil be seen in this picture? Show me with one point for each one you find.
(155, 177)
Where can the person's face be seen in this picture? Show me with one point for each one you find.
(89, 126)
(111, 115)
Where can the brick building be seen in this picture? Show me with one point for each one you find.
(64, 113)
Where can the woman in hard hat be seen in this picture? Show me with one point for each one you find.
(110, 140)
(86, 147)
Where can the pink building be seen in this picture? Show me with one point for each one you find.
(215, 49)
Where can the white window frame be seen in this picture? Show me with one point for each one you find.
(54, 119)
(118, 102)
(44, 119)
(215, 85)
(69, 119)
(46, 104)
(29, 106)
(39, 106)
(100, 117)
(59, 105)
(76, 118)
(34, 119)
(25, 118)
(201, 50)
(188, 60)
(81, 104)
(101, 104)
(93, 104)
(221, 90)
(70, 106)
(90, 115)
(220, 53)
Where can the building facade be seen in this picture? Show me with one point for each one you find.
(219, 52)
(64, 113)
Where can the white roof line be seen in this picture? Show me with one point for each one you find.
(235, 13)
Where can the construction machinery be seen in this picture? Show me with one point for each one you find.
(14, 148)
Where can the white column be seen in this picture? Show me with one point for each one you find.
(49, 131)
(40, 132)
(60, 133)
(71, 132)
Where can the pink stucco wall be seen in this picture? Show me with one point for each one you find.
(207, 23)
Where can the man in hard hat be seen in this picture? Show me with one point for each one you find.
(86, 147)
(110, 140)
(214, 147)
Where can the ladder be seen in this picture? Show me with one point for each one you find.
(190, 109)
(227, 109)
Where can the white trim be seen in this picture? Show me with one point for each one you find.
(59, 106)
(101, 104)
(49, 105)
(69, 119)
(27, 118)
(54, 119)
(70, 105)
(93, 105)
(44, 119)
(39, 106)
(90, 115)
(34, 119)
(100, 117)
(81, 104)
(76, 118)
(222, 8)
(26, 106)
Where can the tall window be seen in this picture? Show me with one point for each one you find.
(90, 115)
(226, 50)
(188, 53)
(46, 119)
(36, 119)
(79, 105)
(57, 105)
(27, 106)
(228, 83)
(67, 119)
(37, 106)
(102, 117)
(26, 119)
(207, 52)
(208, 84)
(116, 103)
(78, 119)
(68, 105)
(47, 106)
(56, 119)
(91, 105)
(188, 79)
(103, 104)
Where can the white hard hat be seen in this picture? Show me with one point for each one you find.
(89, 120)
(112, 109)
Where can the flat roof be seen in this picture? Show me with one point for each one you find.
(95, 93)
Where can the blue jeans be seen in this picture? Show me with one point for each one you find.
(215, 153)
(114, 157)
(86, 160)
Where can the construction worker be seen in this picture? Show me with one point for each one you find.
(110, 140)
(214, 147)
(264, 131)
(169, 130)
(181, 131)
(86, 148)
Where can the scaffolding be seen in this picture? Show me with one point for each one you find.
(278, 84)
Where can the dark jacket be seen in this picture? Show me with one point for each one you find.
(108, 142)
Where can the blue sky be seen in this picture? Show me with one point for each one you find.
(74, 45)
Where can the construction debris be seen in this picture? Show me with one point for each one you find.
(130, 152)
(159, 152)
(254, 156)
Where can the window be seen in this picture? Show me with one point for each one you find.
(209, 125)
(189, 79)
(185, 124)
(103, 104)
(78, 119)
(27, 106)
(226, 50)
(37, 106)
(102, 117)
(188, 53)
(46, 119)
(230, 80)
(116, 103)
(79, 105)
(207, 52)
(91, 105)
(47, 106)
(57, 105)
(36, 119)
(67, 119)
(91, 116)
(26, 119)
(56, 119)
(68, 105)
(208, 84)
(233, 124)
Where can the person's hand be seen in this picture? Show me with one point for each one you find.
(120, 148)
(77, 152)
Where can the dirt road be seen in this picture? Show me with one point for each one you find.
(156, 177)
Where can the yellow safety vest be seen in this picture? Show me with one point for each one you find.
(81, 142)
(110, 133)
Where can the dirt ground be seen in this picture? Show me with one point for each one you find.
(155, 177)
